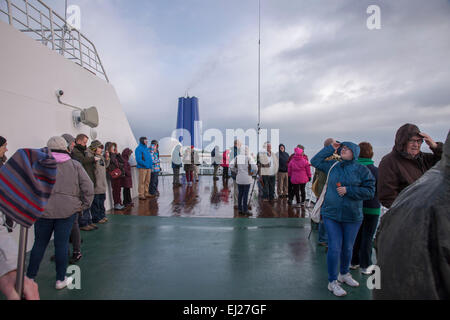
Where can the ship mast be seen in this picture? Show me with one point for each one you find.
(259, 73)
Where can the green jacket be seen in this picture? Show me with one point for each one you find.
(81, 154)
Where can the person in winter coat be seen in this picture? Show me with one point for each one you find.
(116, 162)
(349, 183)
(282, 176)
(190, 158)
(225, 164)
(299, 171)
(176, 165)
(73, 192)
(406, 163)
(245, 166)
(156, 169)
(127, 180)
(362, 249)
(144, 165)
(268, 166)
(70, 141)
(80, 154)
(102, 163)
(318, 183)
(216, 161)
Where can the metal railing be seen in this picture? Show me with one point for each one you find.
(44, 25)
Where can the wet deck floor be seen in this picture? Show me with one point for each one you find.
(155, 252)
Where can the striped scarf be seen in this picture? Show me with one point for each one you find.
(26, 182)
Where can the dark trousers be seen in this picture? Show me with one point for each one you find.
(98, 207)
(153, 187)
(126, 196)
(189, 175)
(43, 229)
(362, 250)
(85, 218)
(224, 173)
(176, 175)
(116, 186)
(243, 190)
(290, 190)
(295, 193)
(269, 187)
(75, 236)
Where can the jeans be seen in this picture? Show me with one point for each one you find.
(85, 218)
(43, 229)
(243, 190)
(269, 187)
(341, 238)
(362, 250)
(98, 207)
(322, 233)
(153, 188)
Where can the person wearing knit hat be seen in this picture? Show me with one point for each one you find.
(70, 141)
(72, 192)
(100, 186)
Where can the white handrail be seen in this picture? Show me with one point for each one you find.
(47, 27)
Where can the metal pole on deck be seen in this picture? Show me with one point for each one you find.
(21, 260)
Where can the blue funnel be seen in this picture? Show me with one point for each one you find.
(189, 128)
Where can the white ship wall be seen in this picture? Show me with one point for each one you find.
(30, 114)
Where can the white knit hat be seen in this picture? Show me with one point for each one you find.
(57, 143)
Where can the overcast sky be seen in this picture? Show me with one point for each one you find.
(323, 72)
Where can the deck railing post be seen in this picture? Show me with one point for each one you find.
(10, 18)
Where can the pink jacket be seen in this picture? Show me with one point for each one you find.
(299, 168)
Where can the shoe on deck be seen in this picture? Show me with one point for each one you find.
(119, 207)
(366, 271)
(86, 228)
(62, 284)
(93, 226)
(248, 213)
(75, 257)
(347, 279)
(354, 266)
(336, 289)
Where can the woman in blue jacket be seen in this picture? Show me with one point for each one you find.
(349, 183)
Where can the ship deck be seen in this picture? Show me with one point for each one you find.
(191, 244)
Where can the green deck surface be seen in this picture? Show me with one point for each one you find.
(135, 257)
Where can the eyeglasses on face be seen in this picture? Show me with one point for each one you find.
(418, 141)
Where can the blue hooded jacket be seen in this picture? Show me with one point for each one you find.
(143, 157)
(357, 179)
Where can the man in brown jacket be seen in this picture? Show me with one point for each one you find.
(406, 163)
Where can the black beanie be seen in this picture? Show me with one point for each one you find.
(142, 139)
(2, 141)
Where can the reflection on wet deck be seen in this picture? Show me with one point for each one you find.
(207, 198)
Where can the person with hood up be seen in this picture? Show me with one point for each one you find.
(73, 191)
(282, 176)
(127, 180)
(406, 163)
(299, 170)
(144, 165)
(349, 183)
(215, 161)
(116, 162)
(156, 169)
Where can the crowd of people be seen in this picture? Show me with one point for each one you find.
(354, 190)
